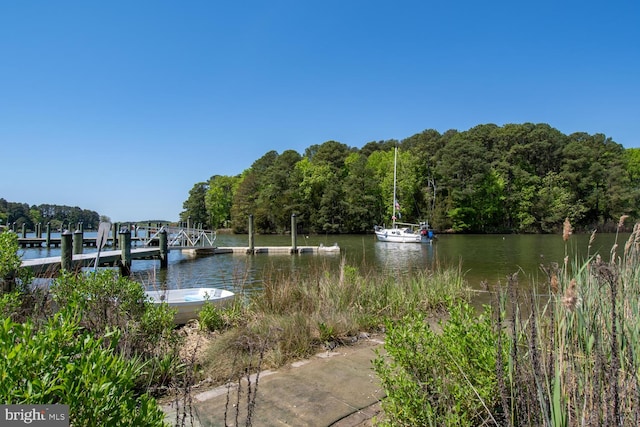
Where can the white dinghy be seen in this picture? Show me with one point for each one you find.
(189, 301)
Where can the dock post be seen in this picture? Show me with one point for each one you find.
(66, 248)
(24, 230)
(39, 230)
(294, 234)
(125, 257)
(48, 241)
(164, 249)
(114, 234)
(251, 249)
(77, 241)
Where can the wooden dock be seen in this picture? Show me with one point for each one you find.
(156, 245)
(270, 250)
(107, 258)
(114, 258)
(37, 242)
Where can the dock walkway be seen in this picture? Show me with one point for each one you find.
(113, 257)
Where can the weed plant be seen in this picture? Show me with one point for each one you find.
(437, 376)
(59, 362)
(295, 316)
(574, 357)
(90, 341)
(564, 353)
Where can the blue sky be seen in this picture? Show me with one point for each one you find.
(122, 106)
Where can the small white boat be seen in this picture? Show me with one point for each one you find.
(189, 301)
(397, 235)
(333, 248)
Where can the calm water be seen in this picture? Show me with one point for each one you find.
(482, 257)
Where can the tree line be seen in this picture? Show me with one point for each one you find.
(524, 178)
(56, 215)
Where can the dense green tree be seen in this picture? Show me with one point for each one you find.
(465, 168)
(56, 215)
(315, 180)
(195, 209)
(423, 147)
(244, 201)
(594, 168)
(219, 199)
(632, 159)
(517, 177)
(362, 204)
(277, 198)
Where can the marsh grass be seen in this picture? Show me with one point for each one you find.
(574, 355)
(296, 316)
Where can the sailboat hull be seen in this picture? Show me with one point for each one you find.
(398, 235)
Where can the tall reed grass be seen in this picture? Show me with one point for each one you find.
(574, 355)
(295, 315)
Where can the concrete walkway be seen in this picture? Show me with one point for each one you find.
(337, 388)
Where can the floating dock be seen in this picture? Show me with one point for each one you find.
(114, 258)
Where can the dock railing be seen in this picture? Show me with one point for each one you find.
(178, 237)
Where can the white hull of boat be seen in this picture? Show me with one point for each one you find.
(334, 248)
(398, 235)
(189, 301)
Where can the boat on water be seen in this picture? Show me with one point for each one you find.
(397, 234)
(332, 248)
(401, 232)
(189, 301)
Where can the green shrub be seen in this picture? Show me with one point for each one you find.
(215, 318)
(9, 259)
(104, 300)
(59, 363)
(211, 317)
(439, 378)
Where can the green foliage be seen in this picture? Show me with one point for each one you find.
(219, 199)
(13, 279)
(59, 363)
(518, 177)
(22, 213)
(439, 378)
(104, 301)
(195, 209)
(9, 259)
(574, 345)
(211, 317)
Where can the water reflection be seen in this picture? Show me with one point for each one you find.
(403, 257)
(482, 257)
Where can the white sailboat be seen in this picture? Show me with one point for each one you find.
(397, 234)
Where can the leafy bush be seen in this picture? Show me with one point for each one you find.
(104, 301)
(9, 259)
(215, 318)
(59, 363)
(16, 299)
(211, 317)
(440, 378)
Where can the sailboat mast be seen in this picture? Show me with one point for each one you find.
(395, 162)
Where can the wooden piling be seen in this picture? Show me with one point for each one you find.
(48, 239)
(24, 230)
(66, 248)
(77, 241)
(251, 249)
(294, 235)
(114, 234)
(125, 258)
(164, 249)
